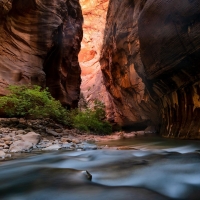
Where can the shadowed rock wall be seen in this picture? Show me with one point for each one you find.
(39, 44)
(150, 61)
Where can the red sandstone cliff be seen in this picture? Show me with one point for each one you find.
(92, 87)
(149, 57)
(39, 44)
(150, 62)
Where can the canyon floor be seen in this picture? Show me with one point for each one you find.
(24, 136)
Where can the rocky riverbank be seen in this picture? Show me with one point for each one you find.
(21, 135)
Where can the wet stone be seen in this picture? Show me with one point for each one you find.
(2, 144)
(12, 134)
(52, 147)
(87, 175)
(22, 120)
(64, 139)
(6, 147)
(51, 132)
(8, 142)
(75, 141)
(28, 129)
(59, 130)
(20, 132)
(2, 154)
(8, 156)
(7, 139)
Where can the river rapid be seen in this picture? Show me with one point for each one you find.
(152, 168)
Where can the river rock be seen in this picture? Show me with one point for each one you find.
(32, 137)
(8, 142)
(76, 141)
(59, 130)
(12, 134)
(6, 146)
(20, 146)
(52, 147)
(63, 139)
(19, 132)
(8, 156)
(68, 146)
(26, 143)
(2, 154)
(7, 138)
(87, 175)
(51, 132)
(86, 146)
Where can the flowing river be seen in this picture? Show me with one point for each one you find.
(151, 169)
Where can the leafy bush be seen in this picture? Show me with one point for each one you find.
(35, 102)
(92, 119)
(32, 102)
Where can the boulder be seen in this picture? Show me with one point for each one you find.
(26, 143)
(2, 154)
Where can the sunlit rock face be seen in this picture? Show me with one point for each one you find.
(150, 61)
(39, 44)
(122, 65)
(92, 87)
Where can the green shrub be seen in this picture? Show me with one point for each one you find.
(32, 102)
(92, 120)
(35, 102)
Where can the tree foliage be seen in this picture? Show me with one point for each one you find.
(32, 102)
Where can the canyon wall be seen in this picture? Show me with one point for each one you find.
(122, 66)
(92, 87)
(39, 44)
(150, 62)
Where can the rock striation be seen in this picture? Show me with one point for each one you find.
(150, 63)
(92, 87)
(39, 44)
(122, 65)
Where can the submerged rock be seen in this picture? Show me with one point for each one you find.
(87, 175)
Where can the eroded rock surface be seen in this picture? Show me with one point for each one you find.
(39, 44)
(92, 87)
(150, 62)
(122, 65)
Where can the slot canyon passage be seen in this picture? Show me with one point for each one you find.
(141, 59)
